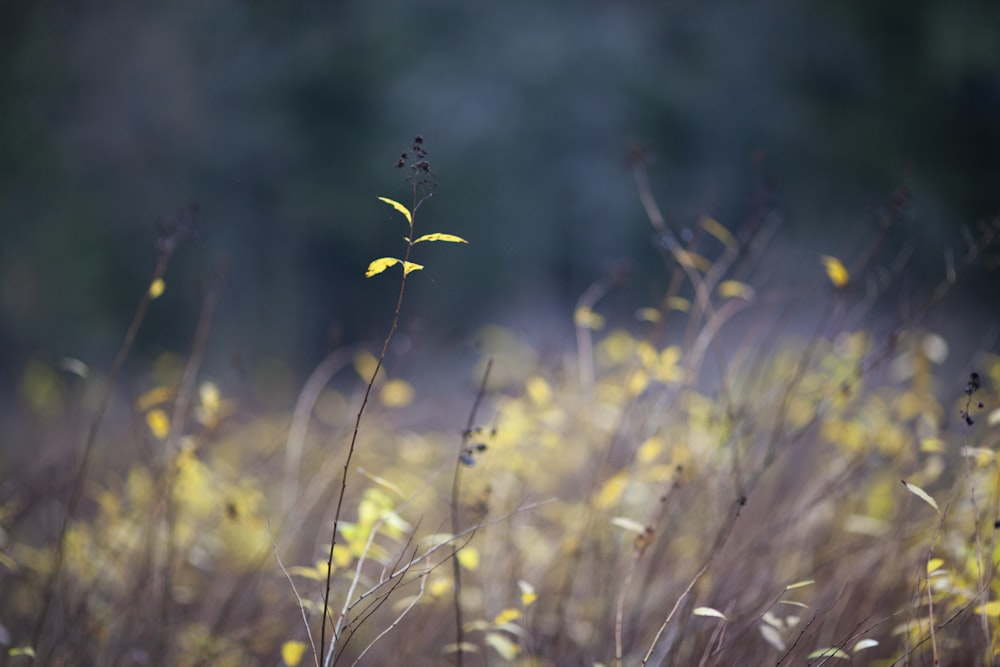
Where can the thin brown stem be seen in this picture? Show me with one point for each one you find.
(160, 270)
(456, 571)
(724, 537)
(417, 201)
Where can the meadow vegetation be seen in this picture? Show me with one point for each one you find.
(703, 484)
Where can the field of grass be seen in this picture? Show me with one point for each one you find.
(702, 484)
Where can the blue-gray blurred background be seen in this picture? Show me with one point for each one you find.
(283, 120)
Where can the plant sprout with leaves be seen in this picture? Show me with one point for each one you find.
(422, 182)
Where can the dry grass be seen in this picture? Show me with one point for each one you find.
(658, 495)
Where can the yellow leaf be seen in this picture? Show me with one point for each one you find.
(692, 260)
(410, 267)
(506, 616)
(528, 594)
(920, 493)
(468, 558)
(994, 417)
(649, 450)
(538, 390)
(292, 652)
(932, 445)
(586, 318)
(365, 364)
(156, 288)
(611, 491)
(380, 265)
(679, 303)
(734, 289)
(800, 584)
(342, 557)
(158, 423)
(306, 572)
(507, 649)
(934, 564)
(713, 227)
(210, 397)
(989, 609)
(399, 207)
(154, 397)
(439, 586)
(22, 650)
(397, 394)
(438, 236)
(835, 271)
(637, 382)
(647, 315)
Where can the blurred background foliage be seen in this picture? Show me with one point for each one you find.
(282, 121)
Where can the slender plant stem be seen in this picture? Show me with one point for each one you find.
(694, 580)
(455, 526)
(160, 270)
(361, 411)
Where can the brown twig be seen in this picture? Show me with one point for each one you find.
(418, 198)
(459, 462)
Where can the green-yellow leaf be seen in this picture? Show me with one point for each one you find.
(835, 271)
(829, 652)
(709, 611)
(920, 493)
(934, 564)
(292, 652)
(380, 265)
(437, 236)
(22, 650)
(410, 267)
(399, 207)
(800, 584)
